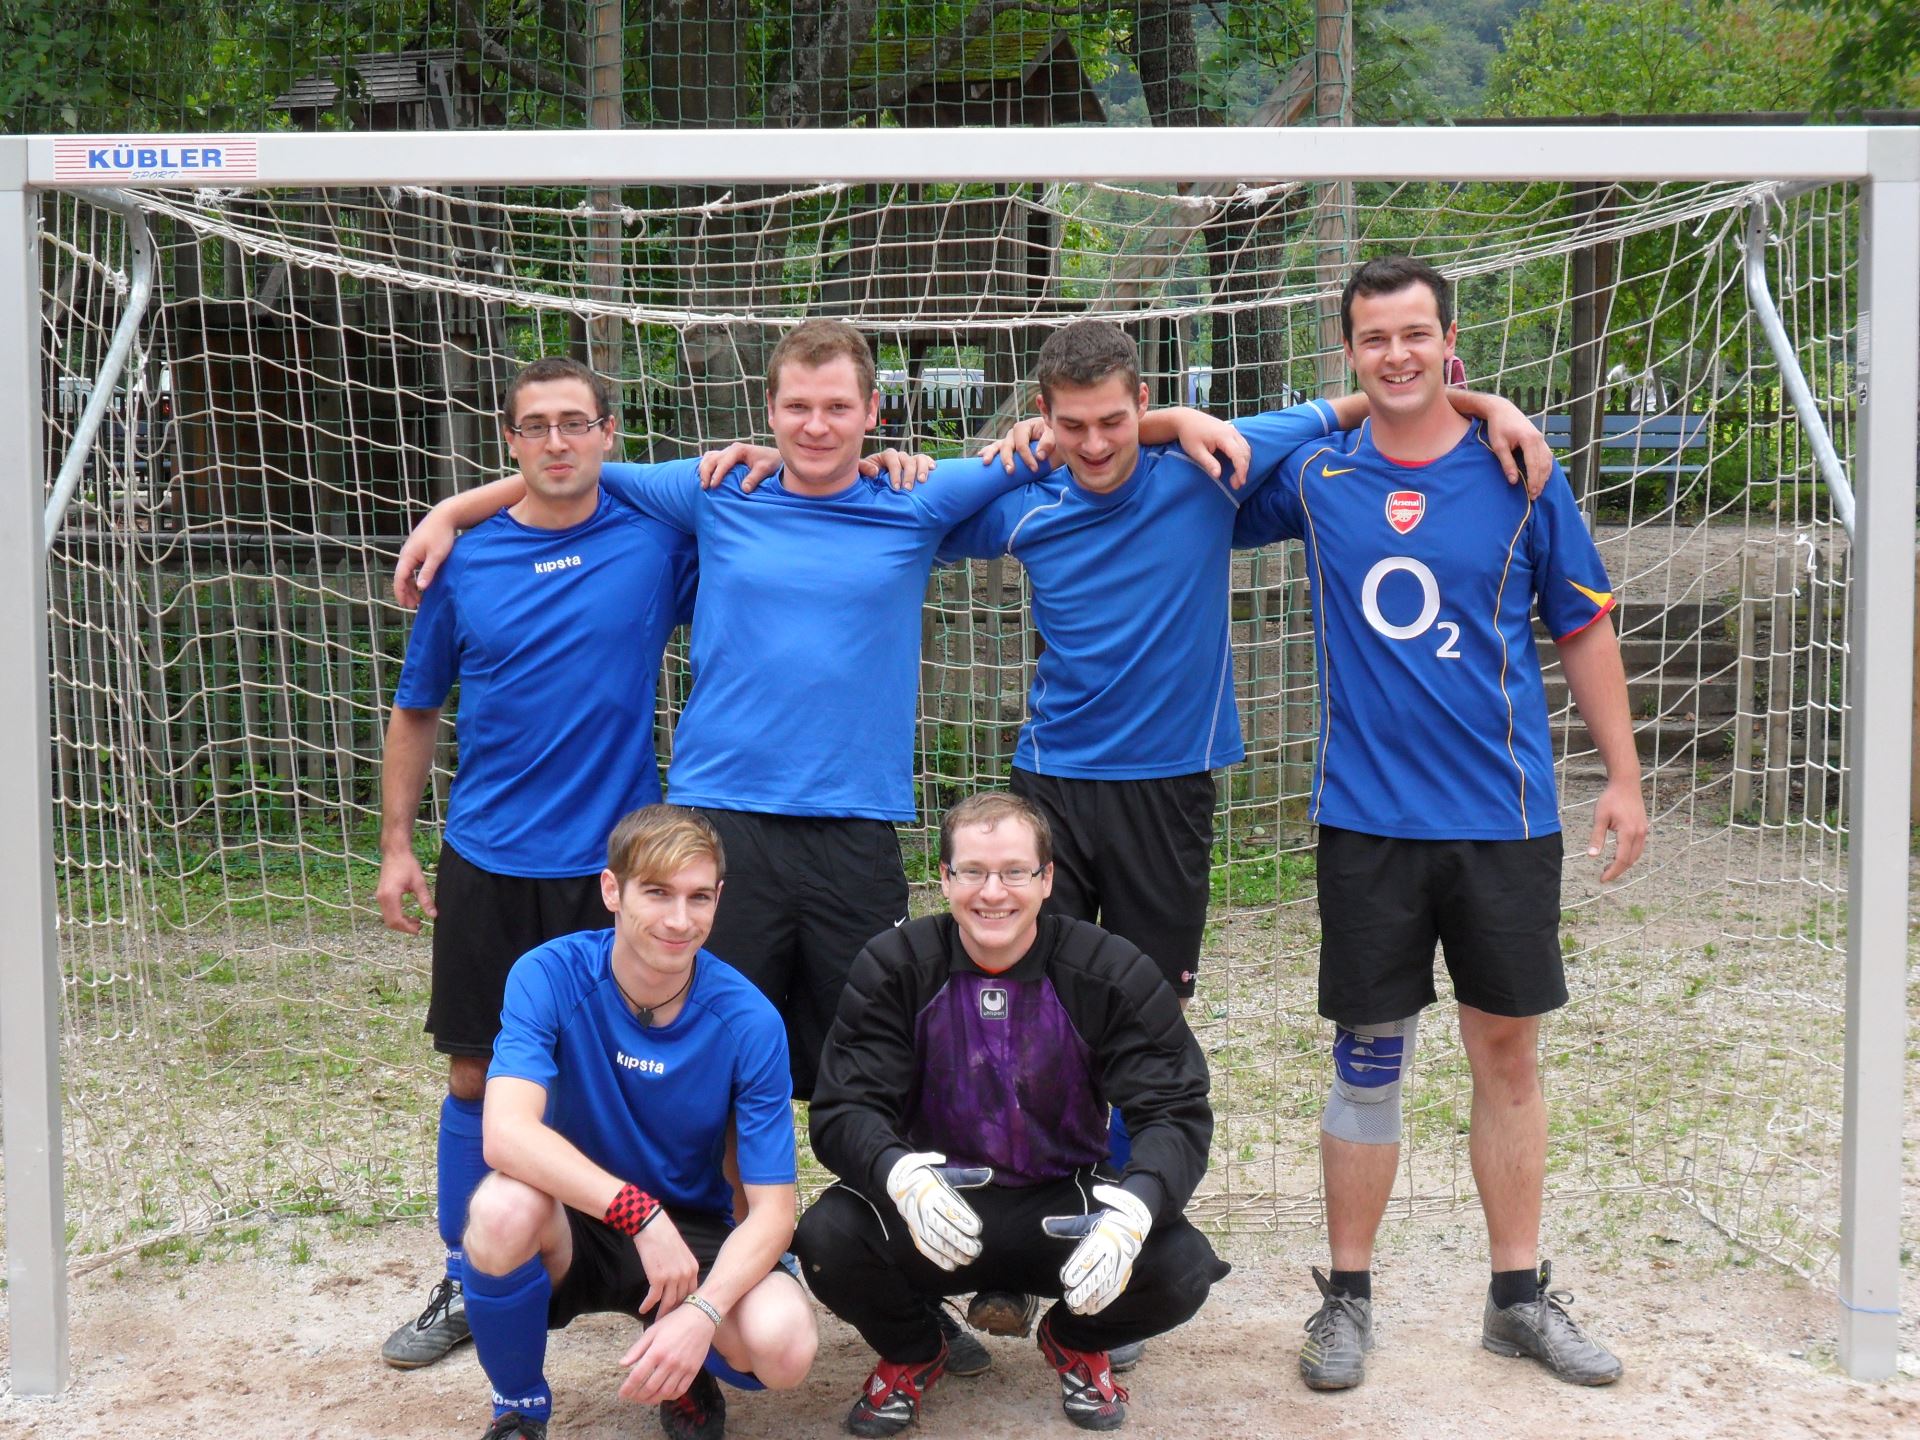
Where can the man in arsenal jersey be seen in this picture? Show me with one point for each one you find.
(1434, 792)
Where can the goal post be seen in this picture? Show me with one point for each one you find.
(1872, 669)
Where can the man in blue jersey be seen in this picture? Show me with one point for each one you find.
(1434, 792)
(627, 1063)
(551, 620)
(963, 1103)
(1132, 706)
(797, 738)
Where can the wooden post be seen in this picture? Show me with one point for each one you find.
(606, 110)
(1332, 105)
(1592, 307)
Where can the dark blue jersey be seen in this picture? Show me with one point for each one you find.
(554, 637)
(1130, 594)
(806, 635)
(1424, 580)
(650, 1103)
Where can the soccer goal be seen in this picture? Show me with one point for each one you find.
(235, 369)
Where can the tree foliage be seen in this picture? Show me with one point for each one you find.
(1656, 57)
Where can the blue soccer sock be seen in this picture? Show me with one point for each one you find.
(1119, 1141)
(463, 1165)
(508, 1314)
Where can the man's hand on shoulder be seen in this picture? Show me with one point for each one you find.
(421, 557)
(1510, 431)
(903, 469)
(1030, 440)
(1205, 438)
(760, 460)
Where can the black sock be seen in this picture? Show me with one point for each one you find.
(1357, 1283)
(1515, 1287)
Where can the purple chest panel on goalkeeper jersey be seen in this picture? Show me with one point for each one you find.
(1006, 1081)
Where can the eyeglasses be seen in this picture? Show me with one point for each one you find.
(572, 429)
(1014, 877)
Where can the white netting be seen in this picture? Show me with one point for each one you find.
(241, 1035)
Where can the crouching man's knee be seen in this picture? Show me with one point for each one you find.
(504, 1223)
(1369, 1069)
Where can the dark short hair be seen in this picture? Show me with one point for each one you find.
(1084, 353)
(657, 842)
(814, 343)
(1389, 275)
(989, 808)
(555, 367)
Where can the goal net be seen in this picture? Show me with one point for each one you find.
(241, 1039)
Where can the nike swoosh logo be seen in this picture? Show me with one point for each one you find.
(1329, 474)
(1602, 598)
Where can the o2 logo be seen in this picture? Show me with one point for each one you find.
(1429, 617)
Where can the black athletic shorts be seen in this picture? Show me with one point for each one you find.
(804, 894)
(606, 1274)
(1133, 856)
(486, 923)
(1493, 905)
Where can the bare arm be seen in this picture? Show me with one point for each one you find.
(403, 777)
(1590, 660)
(664, 1360)
(432, 539)
(519, 1142)
(1508, 429)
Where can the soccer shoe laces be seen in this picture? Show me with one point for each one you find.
(1322, 1325)
(439, 1301)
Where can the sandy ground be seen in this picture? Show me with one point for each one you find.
(257, 1345)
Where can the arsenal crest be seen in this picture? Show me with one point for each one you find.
(1404, 509)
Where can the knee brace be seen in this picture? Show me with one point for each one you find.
(1368, 1068)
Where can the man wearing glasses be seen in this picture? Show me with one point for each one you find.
(962, 1100)
(551, 618)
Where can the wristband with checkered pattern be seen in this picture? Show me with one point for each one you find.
(630, 1210)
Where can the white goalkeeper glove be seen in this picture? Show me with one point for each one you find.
(927, 1191)
(1110, 1239)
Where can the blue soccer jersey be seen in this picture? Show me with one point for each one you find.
(806, 635)
(555, 638)
(650, 1103)
(1424, 579)
(1131, 594)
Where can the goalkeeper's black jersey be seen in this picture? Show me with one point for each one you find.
(1014, 1070)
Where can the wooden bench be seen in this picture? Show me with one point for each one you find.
(1677, 446)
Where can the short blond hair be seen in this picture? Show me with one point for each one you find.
(657, 842)
(988, 809)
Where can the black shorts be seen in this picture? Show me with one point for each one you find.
(1493, 905)
(486, 923)
(803, 895)
(1133, 856)
(606, 1274)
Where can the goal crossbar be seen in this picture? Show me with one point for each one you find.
(1885, 161)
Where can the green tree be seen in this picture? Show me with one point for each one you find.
(1655, 57)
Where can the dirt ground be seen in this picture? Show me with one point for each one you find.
(256, 1345)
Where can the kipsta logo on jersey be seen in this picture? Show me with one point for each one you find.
(993, 1003)
(1404, 509)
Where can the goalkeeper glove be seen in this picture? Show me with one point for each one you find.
(1110, 1238)
(927, 1191)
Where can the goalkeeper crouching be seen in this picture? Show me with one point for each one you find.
(963, 1100)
